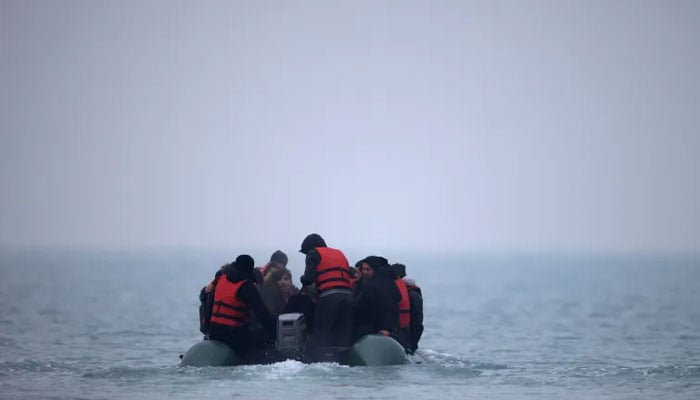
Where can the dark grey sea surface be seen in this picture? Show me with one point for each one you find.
(111, 325)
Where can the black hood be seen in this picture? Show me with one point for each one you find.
(241, 269)
(399, 270)
(311, 241)
(375, 262)
(381, 267)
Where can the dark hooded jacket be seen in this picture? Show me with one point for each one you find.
(376, 300)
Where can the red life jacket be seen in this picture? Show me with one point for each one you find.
(333, 271)
(228, 309)
(404, 304)
(264, 268)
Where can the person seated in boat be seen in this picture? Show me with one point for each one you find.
(375, 304)
(327, 268)
(235, 298)
(277, 290)
(415, 298)
(278, 261)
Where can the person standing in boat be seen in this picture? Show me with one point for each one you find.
(328, 269)
(415, 298)
(235, 297)
(376, 300)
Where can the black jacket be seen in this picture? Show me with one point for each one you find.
(376, 304)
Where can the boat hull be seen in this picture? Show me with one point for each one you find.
(370, 350)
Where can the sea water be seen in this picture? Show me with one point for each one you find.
(111, 324)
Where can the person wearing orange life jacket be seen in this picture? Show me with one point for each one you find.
(206, 301)
(328, 269)
(404, 307)
(235, 297)
(415, 297)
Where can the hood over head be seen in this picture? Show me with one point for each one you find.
(399, 270)
(241, 269)
(375, 262)
(311, 241)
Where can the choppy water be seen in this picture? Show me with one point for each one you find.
(111, 325)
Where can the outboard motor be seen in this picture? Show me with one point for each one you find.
(292, 335)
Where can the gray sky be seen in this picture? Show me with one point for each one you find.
(427, 125)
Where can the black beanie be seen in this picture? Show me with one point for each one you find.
(244, 263)
(278, 257)
(375, 262)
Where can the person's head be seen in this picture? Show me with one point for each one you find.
(311, 241)
(369, 266)
(352, 272)
(399, 270)
(279, 258)
(244, 264)
(282, 278)
(258, 277)
(366, 272)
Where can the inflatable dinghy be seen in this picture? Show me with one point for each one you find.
(369, 350)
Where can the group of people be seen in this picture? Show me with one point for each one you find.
(340, 303)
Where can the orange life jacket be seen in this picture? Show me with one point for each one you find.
(333, 272)
(264, 268)
(404, 304)
(228, 309)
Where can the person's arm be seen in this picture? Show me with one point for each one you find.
(312, 260)
(248, 293)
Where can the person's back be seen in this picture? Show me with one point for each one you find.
(235, 298)
(328, 269)
(206, 301)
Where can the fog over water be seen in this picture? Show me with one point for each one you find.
(467, 125)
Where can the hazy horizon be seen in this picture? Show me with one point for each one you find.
(450, 126)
